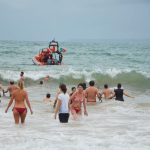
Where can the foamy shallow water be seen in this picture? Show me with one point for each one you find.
(110, 126)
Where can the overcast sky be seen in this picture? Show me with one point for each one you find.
(74, 19)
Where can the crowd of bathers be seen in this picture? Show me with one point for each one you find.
(73, 103)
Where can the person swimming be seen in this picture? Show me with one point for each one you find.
(47, 99)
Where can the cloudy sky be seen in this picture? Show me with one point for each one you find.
(74, 19)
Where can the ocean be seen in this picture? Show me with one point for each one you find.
(110, 125)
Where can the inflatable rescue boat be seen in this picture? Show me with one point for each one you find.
(53, 55)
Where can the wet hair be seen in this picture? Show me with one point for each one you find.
(119, 85)
(73, 88)
(48, 95)
(91, 83)
(81, 84)
(21, 85)
(41, 82)
(84, 85)
(22, 73)
(106, 86)
(11, 82)
(63, 88)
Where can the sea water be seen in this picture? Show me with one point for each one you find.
(110, 125)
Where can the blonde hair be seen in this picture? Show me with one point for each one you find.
(21, 85)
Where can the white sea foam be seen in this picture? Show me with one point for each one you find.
(110, 125)
(76, 74)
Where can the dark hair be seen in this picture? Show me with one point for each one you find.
(48, 95)
(22, 73)
(91, 83)
(81, 84)
(11, 82)
(119, 85)
(73, 88)
(41, 82)
(105, 86)
(63, 88)
(84, 85)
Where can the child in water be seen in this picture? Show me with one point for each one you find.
(47, 99)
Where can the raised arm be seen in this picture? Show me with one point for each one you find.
(28, 102)
(57, 107)
(10, 103)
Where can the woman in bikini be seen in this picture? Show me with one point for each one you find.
(19, 109)
(77, 99)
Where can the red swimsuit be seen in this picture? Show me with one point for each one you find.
(20, 110)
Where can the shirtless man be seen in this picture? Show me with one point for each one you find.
(107, 92)
(11, 88)
(19, 109)
(91, 93)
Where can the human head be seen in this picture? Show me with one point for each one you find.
(91, 83)
(41, 82)
(73, 89)
(21, 85)
(80, 87)
(22, 73)
(63, 88)
(48, 95)
(84, 85)
(106, 86)
(11, 82)
(119, 85)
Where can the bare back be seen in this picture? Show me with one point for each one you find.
(19, 96)
(107, 93)
(12, 88)
(91, 93)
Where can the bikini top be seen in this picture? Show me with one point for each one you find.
(78, 99)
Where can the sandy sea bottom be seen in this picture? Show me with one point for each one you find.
(111, 125)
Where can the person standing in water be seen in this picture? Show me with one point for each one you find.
(77, 99)
(73, 89)
(11, 88)
(2, 89)
(107, 92)
(22, 76)
(63, 105)
(91, 93)
(119, 92)
(19, 96)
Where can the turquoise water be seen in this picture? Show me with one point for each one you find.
(103, 61)
(110, 125)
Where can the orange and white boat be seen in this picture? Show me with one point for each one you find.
(52, 55)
